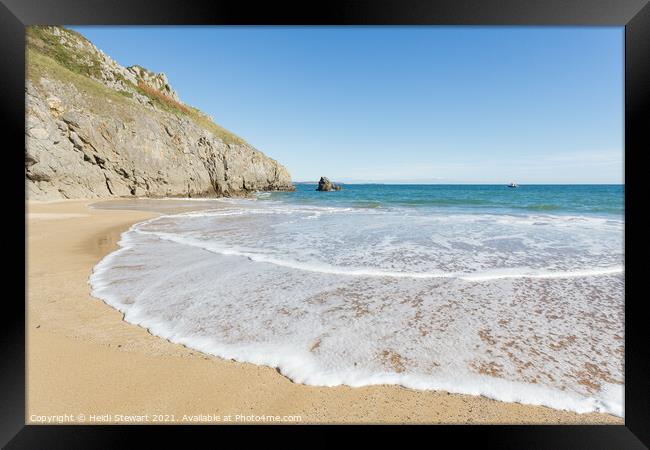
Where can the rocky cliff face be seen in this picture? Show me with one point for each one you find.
(95, 129)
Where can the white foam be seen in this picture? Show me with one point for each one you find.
(278, 286)
(494, 274)
(543, 274)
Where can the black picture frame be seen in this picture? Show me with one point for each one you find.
(634, 15)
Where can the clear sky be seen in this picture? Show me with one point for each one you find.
(402, 104)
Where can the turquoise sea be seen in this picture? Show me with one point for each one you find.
(551, 198)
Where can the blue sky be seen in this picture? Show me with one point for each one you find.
(402, 104)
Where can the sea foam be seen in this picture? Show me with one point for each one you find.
(515, 308)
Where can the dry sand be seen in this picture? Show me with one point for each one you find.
(83, 359)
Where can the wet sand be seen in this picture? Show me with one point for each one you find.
(86, 365)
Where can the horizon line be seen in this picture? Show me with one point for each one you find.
(463, 183)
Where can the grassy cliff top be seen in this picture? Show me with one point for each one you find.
(67, 55)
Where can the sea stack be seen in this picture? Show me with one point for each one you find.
(326, 185)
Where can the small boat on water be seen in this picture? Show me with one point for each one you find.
(513, 185)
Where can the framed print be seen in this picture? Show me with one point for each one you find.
(347, 213)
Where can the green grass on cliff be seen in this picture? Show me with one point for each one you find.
(42, 66)
(43, 41)
(47, 57)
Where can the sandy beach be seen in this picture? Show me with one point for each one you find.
(85, 362)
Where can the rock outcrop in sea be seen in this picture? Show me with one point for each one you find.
(326, 185)
(95, 129)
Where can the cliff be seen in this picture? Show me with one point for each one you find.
(95, 129)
